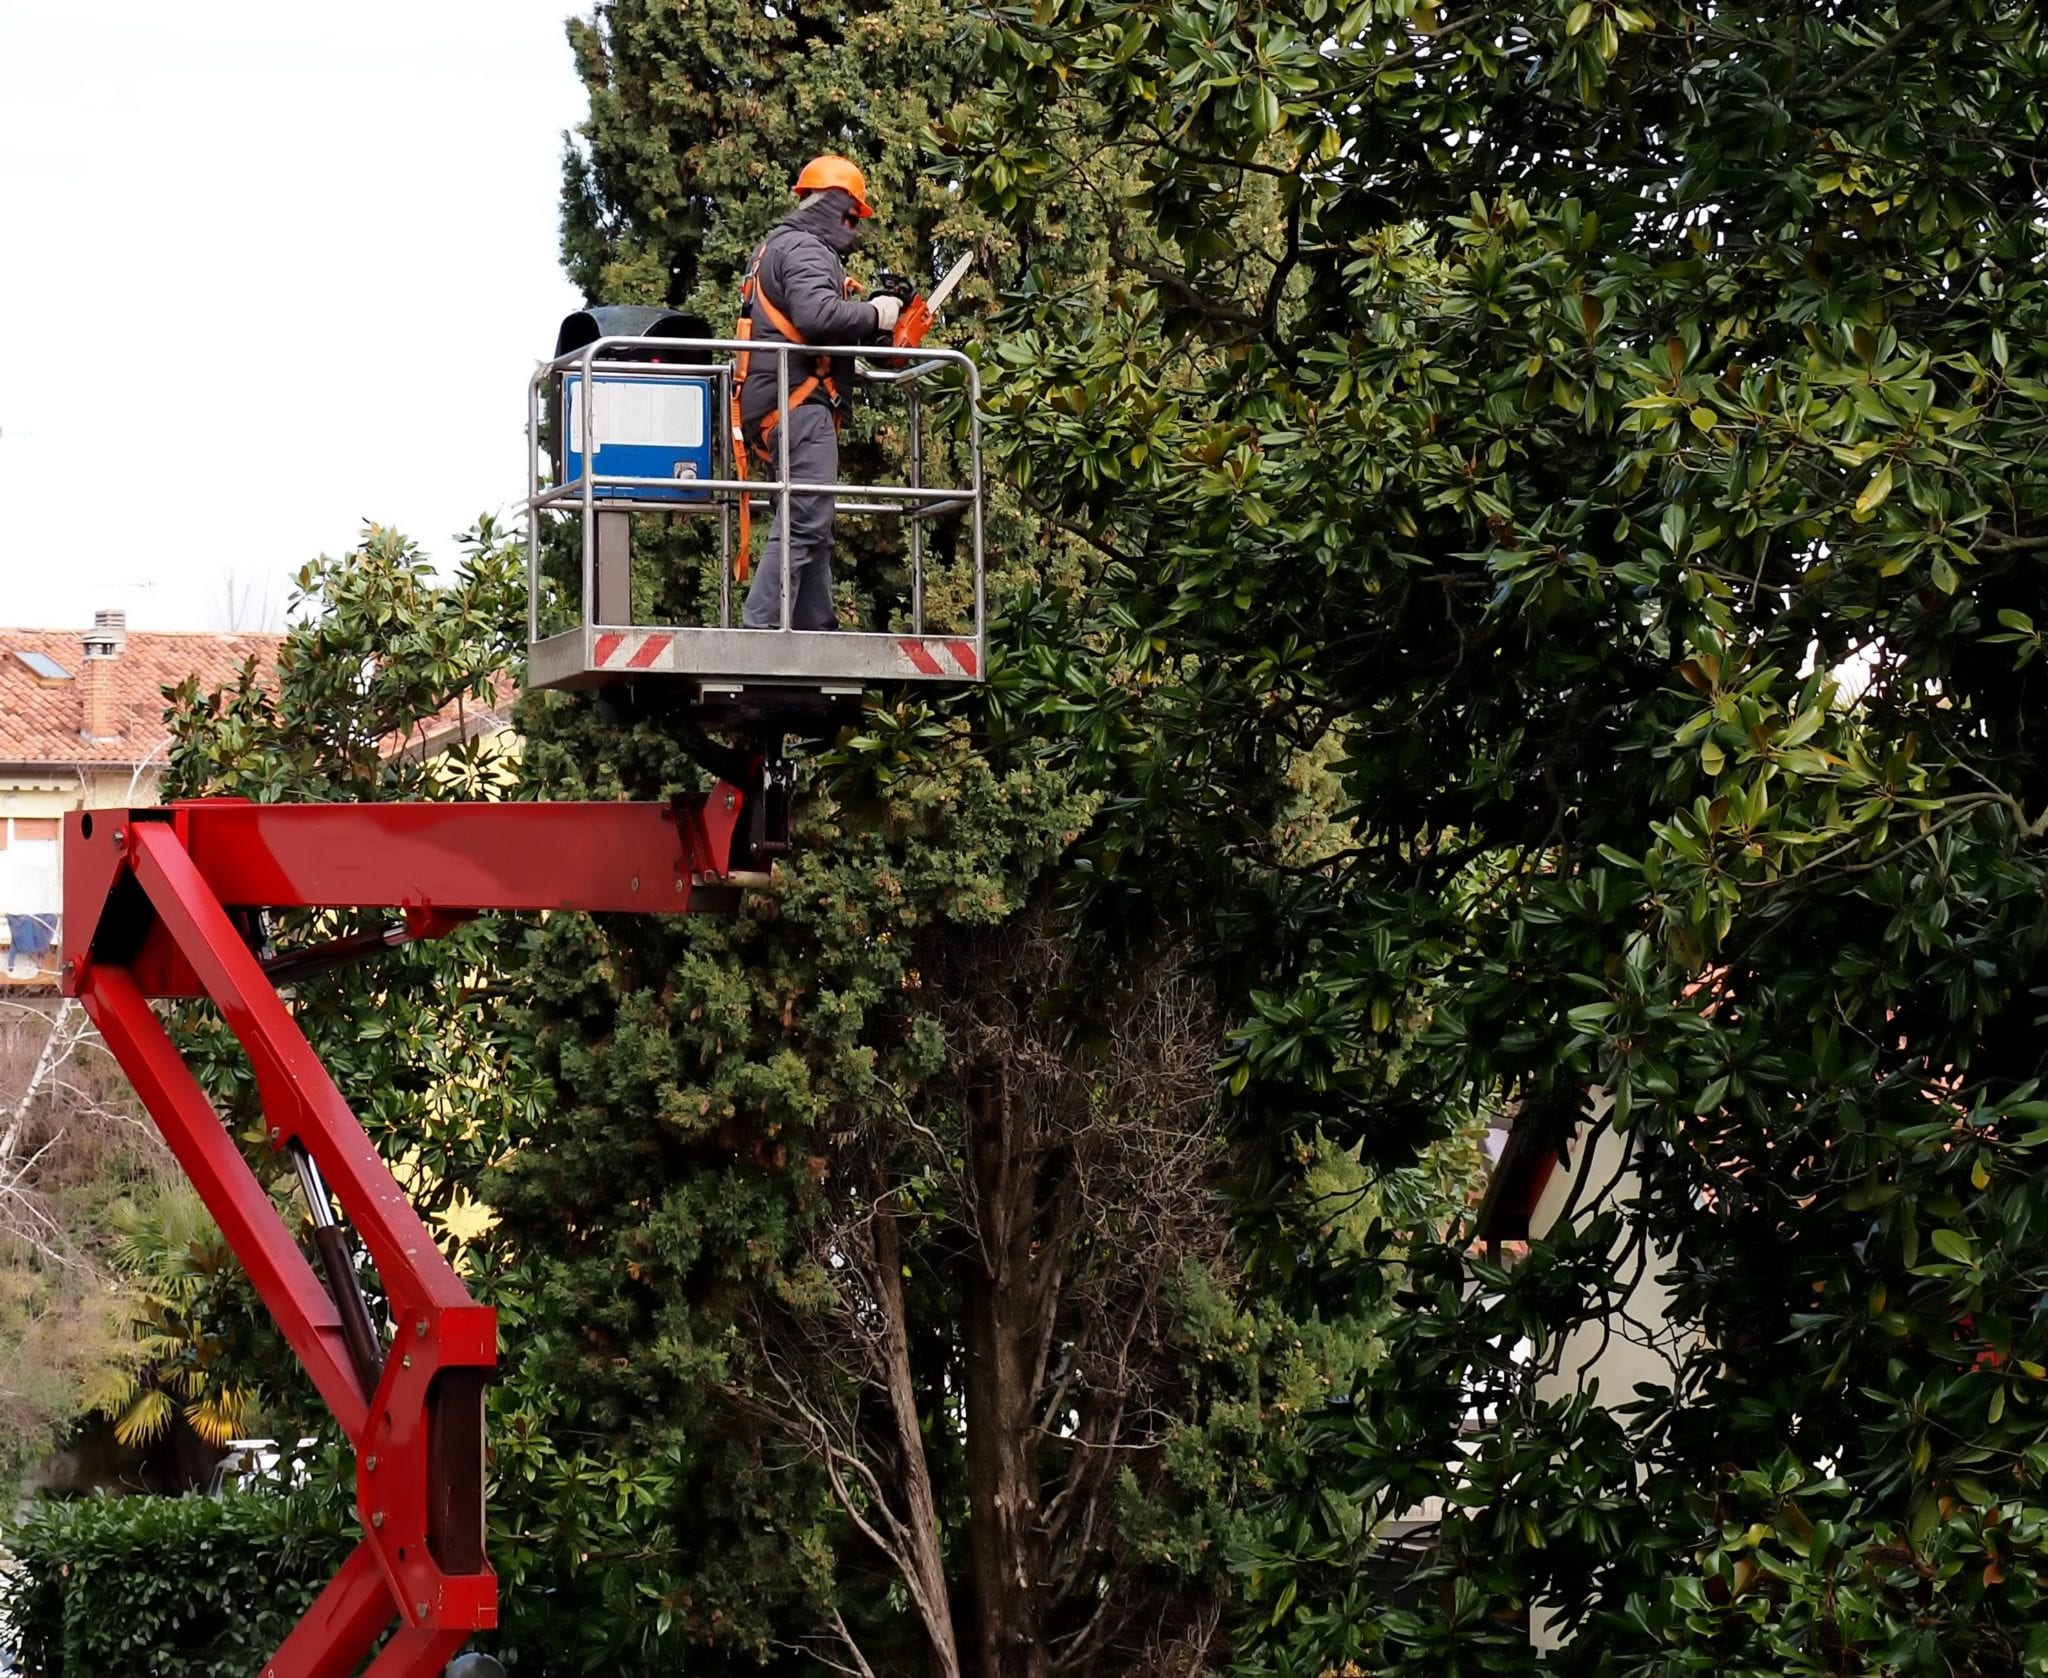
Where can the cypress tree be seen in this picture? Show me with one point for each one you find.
(889, 1215)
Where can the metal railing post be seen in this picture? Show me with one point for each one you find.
(589, 490)
(721, 430)
(782, 459)
(533, 512)
(974, 466)
(916, 525)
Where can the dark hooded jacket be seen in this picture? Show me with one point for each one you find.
(802, 275)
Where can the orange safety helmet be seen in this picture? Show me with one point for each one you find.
(831, 170)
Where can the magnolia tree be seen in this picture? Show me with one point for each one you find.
(1613, 429)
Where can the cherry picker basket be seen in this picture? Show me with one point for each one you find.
(633, 414)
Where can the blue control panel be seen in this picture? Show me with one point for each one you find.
(646, 427)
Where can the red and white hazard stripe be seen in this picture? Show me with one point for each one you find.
(941, 656)
(923, 656)
(637, 649)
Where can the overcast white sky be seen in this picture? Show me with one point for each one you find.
(266, 271)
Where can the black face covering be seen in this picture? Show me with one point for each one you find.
(825, 214)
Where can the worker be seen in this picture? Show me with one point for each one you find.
(797, 292)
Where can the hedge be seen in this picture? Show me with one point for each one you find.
(172, 1587)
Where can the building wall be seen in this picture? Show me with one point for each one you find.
(33, 804)
(1637, 1345)
(1618, 1354)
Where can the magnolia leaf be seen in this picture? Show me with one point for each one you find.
(1952, 1244)
(1874, 493)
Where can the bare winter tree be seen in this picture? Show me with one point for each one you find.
(249, 601)
(69, 1140)
(43, 1099)
(999, 1275)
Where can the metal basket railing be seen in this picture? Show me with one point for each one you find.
(584, 488)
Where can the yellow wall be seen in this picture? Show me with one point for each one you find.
(32, 802)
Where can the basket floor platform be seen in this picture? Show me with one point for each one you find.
(596, 656)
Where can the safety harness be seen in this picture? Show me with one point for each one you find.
(761, 441)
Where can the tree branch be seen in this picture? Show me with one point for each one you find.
(1884, 49)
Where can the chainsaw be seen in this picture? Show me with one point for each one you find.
(919, 312)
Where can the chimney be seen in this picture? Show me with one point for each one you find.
(103, 644)
(108, 635)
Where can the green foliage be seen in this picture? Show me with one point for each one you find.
(187, 1587)
(1617, 422)
(781, 1137)
(178, 1276)
(384, 688)
(753, 1112)
(716, 1078)
(381, 659)
(700, 117)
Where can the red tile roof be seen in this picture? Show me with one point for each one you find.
(44, 720)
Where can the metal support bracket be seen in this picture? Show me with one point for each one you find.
(162, 902)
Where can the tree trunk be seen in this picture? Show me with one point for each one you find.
(922, 1562)
(1005, 1292)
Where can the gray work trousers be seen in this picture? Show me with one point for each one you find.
(813, 459)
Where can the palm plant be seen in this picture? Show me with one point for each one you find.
(173, 1259)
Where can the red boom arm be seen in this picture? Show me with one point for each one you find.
(150, 902)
